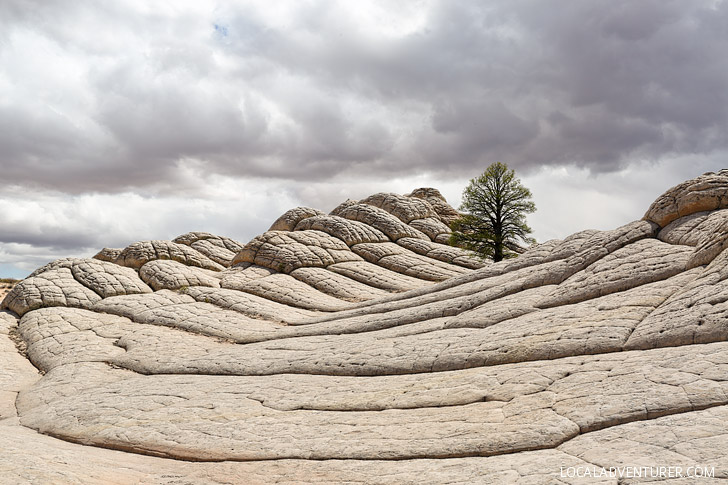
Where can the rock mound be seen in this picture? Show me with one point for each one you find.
(356, 347)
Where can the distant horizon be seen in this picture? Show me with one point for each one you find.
(125, 122)
(555, 203)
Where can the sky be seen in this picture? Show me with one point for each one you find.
(131, 120)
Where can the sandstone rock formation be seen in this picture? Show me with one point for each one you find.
(354, 347)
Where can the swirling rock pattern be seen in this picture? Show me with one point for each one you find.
(355, 347)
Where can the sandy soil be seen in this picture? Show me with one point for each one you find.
(5, 289)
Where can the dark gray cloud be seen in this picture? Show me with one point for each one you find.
(125, 121)
(99, 97)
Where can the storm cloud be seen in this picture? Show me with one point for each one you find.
(304, 100)
(112, 98)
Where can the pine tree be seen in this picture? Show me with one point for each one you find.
(494, 209)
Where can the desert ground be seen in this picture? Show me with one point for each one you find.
(6, 284)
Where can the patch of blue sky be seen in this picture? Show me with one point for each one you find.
(11, 271)
(221, 29)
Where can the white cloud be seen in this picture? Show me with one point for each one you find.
(39, 228)
(571, 199)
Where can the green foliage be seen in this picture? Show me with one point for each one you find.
(494, 220)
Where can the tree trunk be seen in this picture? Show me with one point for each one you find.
(498, 252)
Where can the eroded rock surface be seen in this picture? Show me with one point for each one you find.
(704, 193)
(355, 347)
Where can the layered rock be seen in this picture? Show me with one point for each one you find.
(356, 347)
